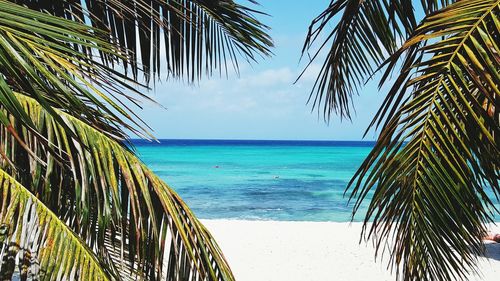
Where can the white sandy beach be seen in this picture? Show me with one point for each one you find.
(289, 251)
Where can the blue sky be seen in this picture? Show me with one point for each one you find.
(263, 102)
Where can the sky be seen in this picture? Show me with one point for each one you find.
(262, 102)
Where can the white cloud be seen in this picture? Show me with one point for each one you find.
(269, 77)
(262, 104)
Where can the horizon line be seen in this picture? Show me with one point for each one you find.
(224, 139)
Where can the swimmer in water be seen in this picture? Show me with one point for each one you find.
(493, 237)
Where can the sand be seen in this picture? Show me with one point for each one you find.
(289, 251)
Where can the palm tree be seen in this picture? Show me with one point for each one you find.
(438, 148)
(75, 201)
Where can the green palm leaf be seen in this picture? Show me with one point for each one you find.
(137, 223)
(36, 58)
(187, 37)
(366, 33)
(439, 150)
(46, 247)
(62, 119)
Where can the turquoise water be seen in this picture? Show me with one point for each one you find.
(262, 180)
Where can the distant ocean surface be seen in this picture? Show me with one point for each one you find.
(260, 180)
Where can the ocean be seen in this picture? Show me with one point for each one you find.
(260, 180)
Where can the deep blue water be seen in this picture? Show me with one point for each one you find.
(264, 180)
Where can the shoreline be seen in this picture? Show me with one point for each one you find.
(305, 250)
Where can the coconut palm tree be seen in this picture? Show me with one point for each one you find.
(75, 201)
(437, 152)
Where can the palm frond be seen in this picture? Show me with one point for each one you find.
(431, 6)
(439, 150)
(126, 214)
(366, 33)
(36, 58)
(189, 37)
(35, 239)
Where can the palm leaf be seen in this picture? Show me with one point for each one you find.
(43, 244)
(187, 37)
(431, 6)
(132, 219)
(366, 33)
(438, 151)
(36, 58)
(82, 170)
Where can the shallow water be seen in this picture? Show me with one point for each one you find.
(264, 180)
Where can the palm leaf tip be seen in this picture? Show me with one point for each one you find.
(366, 33)
(183, 38)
